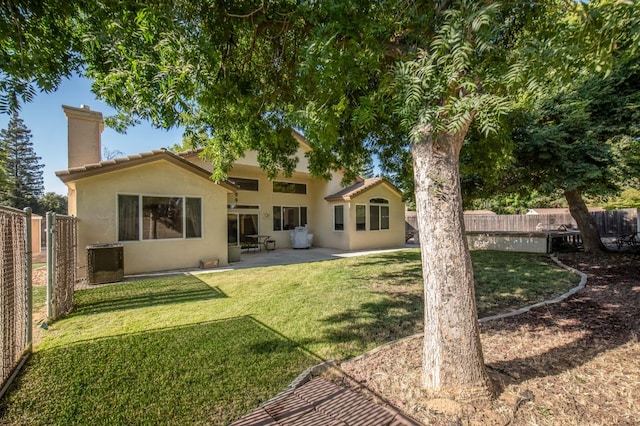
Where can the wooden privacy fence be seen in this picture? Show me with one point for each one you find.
(611, 223)
(61, 264)
(516, 222)
(15, 291)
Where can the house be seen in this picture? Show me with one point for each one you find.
(167, 213)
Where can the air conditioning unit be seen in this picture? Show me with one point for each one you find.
(105, 263)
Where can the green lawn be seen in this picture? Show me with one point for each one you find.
(208, 348)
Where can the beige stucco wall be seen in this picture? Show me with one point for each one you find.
(319, 211)
(265, 199)
(319, 223)
(36, 234)
(84, 129)
(96, 209)
(388, 238)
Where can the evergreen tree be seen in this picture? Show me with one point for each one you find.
(24, 183)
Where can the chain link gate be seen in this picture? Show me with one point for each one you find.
(15, 292)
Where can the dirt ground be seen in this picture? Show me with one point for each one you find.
(572, 363)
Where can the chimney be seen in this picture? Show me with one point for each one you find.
(84, 129)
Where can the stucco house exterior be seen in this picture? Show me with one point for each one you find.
(167, 213)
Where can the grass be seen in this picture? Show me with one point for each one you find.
(206, 349)
(38, 297)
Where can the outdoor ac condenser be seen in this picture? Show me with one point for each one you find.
(105, 263)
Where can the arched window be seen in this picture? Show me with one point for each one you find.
(378, 214)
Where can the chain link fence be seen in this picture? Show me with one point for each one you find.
(15, 291)
(61, 264)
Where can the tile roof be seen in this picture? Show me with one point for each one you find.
(106, 166)
(358, 188)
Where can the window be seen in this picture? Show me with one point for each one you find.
(157, 218)
(193, 217)
(239, 225)
(338, 218)
(242, 206)
(128, 218)
(289, 187)
(361, 217)
(244, 184)
(378, 214)
(285, 218)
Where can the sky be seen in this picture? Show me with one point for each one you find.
(48, 125)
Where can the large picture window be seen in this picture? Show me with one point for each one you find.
(143, 217)
(285, 218)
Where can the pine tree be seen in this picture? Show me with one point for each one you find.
(24, 182)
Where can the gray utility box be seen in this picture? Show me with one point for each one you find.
(105, 263)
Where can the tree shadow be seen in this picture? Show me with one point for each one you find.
(145, 293)
(604, 316)
(202, 373)
(398, 269)
(397, 315)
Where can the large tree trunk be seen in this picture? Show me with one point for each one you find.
(453, 364)
(586, 224)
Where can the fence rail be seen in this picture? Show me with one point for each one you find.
(15, 291)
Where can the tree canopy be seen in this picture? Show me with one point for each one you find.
(406, 80)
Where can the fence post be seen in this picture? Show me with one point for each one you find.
(28, 266)
(51, 265)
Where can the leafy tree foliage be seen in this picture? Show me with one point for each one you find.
(628, 199)
(38, 47)
(25, 183)
(406, 80)
(52, 202)
(582, 141)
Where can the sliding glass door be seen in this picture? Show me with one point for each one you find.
(239, 225)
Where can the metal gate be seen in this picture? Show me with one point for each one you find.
(15, 291)
(61, 264)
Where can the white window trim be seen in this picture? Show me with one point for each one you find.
(344, 215)
(141, 214)
(366, 217)
(306, 188)
(379, 205)
(281, 215)
(248, 178)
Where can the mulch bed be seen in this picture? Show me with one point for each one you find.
(575, 362)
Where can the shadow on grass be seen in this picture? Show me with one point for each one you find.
(205, 373)
(140, 294)
(375, 323)
(399, 309)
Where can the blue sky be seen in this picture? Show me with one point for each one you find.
(48, 125)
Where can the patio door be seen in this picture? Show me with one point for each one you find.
(239, 225)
